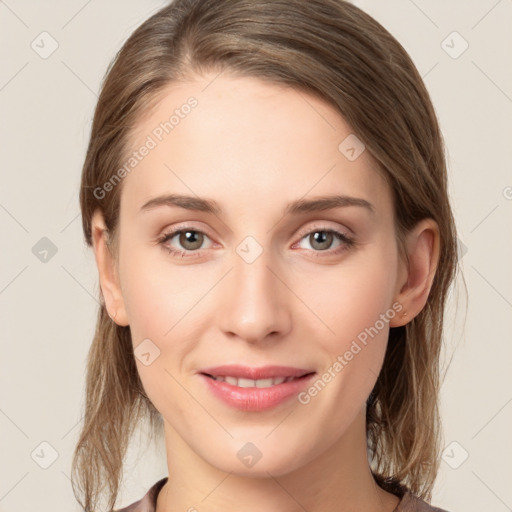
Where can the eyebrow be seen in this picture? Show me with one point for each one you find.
(295, 207)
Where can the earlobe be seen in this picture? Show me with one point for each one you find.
(108, 275)
(422, 245)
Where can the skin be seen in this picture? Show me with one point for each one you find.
(254, 147)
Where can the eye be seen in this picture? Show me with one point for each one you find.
(190, 239)
(321, 239)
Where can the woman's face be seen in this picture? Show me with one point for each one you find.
(255, 283)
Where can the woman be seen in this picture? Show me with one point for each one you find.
(265, 193)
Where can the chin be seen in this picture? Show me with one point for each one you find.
(256, 459)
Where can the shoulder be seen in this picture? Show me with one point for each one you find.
(409, 502)
(412, 503)
(148, 502)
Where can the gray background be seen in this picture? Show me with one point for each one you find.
(48, 299)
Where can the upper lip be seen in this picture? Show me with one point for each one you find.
(255, 373)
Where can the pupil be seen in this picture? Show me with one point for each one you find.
(321, 237)
(190, 237)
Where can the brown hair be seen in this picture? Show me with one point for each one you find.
(331, 49)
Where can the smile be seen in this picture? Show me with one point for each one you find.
(250, 383)
(255, 395)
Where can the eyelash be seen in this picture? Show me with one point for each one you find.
(348, 242)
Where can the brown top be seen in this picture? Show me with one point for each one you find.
(408, 503)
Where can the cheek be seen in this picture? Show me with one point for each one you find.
(156, 294)
(356, 306)
(159, 303)
(354, 295)
(147, 306)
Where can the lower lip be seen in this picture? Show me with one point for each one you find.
(256, 399)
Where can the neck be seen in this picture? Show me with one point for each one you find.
(338, 479)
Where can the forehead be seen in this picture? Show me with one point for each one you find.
(246, 141)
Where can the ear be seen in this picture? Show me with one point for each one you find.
(415, 280)
(108, 274)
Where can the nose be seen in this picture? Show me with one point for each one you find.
(255, 300)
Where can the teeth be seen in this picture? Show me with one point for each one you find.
(250, 383)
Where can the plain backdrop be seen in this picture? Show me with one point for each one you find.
(48, 280)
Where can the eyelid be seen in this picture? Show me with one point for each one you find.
(183, 227)
(323, 225)
(171, 232)
(301, 233)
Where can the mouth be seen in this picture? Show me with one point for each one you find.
(242, 382)
(255, 376)
(271, 387)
